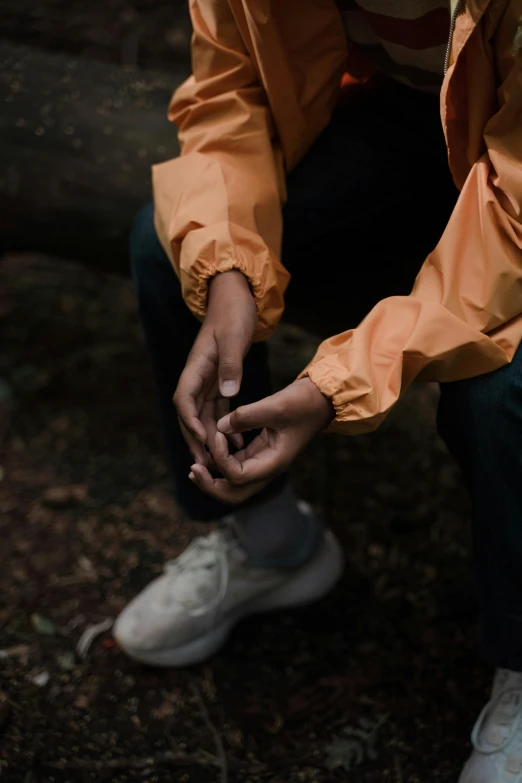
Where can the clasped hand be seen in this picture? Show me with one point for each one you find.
(287, 420)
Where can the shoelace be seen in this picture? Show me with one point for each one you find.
(214, 550)
(515, 733)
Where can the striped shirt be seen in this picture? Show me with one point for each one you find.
(405, 39)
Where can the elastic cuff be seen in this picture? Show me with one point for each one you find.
(197, 299)
(353, 404)
(350, 418)
(226, 247)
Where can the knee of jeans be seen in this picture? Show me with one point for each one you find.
(143, 243)
(487, 404)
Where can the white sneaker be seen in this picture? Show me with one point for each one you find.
(185, 616)
(497, 735)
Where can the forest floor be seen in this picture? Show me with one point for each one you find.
(379, 682)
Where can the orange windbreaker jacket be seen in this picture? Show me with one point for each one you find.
(266, 78)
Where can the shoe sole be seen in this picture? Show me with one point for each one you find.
(311, 583)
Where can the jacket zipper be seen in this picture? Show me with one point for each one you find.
(450, 38)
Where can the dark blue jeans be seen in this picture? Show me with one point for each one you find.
(364, 208)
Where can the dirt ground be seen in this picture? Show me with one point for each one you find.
(380, 682)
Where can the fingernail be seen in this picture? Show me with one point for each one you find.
(229, 388)
(192, 476)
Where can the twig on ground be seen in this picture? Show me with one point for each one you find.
(168, 757)
(5, 698)
(18, 651)
(217, 738)
(9, 613)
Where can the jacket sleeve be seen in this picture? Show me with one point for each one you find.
(463, 317)
(218, 206)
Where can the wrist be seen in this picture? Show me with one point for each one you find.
(321, 403)
(232, 280)
(231, 305)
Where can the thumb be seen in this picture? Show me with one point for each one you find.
(266, 413)
(231, 350)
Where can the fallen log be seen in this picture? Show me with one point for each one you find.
(77, 140)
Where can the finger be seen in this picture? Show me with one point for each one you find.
(231, 350)
(262, 465)
(209, 420)
(221, 489)
(196, 449)
(270, 412)
(189, 395)
(254, 447)
(188, 413)
(222, 409)
(237, 440)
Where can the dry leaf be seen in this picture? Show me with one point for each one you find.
(42, 625)
(18, 651)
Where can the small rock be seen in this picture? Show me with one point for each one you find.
(41, 679)
(64, 496)
(82, 701)
(67, 661)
